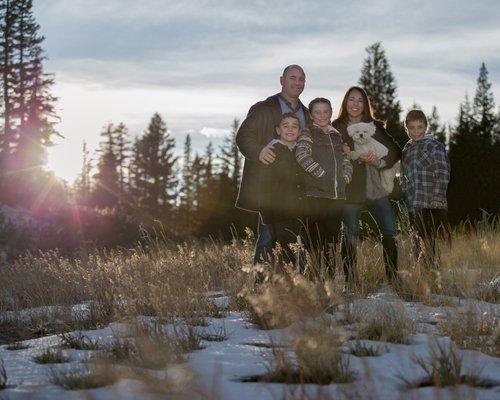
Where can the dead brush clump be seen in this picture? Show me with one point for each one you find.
(152, 346)
(98, 316)
(219, 334)
(469, 268)
(363, 349)
(79, 341)
(384, 321)
(91, 376)
(17, 327)
(17, 346)
(187, 339)
(475, 245)
(51, 356)
(474, 329)
(3, 375)
(370, 266)
(417, 283)
(314, 357)
(443, 368)
(289, 297)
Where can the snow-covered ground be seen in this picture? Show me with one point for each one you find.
(220, 365)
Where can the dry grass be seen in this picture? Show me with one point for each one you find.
(290, 297)
(159, 278)
(314, 357)
(153, 346)
(444, 368)
(51, 356)
(17, 346)
(171, 282)
(3, 375)
(219, 334)
(387, 322)
(362, 349)
(79, 341)
(474, 328)
(91, 377)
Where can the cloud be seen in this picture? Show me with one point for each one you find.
(203, 63)
(214, 132)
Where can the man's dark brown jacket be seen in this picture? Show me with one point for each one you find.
(256, 131)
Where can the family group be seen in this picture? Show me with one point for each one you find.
(309, 177)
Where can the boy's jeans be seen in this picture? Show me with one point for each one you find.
(265, 240)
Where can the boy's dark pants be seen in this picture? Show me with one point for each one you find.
(427, 224)
(286, 232)
(265, 241)
(323, 230)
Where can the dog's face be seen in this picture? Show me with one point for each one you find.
(361, 132)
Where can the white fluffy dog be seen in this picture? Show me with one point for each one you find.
(362, 135)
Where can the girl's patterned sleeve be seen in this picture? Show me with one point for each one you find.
(303, 154)
(347, 169)
(441, 172)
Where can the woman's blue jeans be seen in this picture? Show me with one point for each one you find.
(383, 215)
(381, 211)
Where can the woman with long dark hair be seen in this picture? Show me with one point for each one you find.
(365, 189)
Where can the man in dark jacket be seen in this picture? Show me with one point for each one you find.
(253, 137)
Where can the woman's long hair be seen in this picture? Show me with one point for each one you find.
(343, 117)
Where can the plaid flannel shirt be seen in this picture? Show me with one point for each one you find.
(425, 173)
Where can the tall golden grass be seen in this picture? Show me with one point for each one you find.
(172, 282)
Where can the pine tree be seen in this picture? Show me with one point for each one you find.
(122, 151)
(208, 157)
(496, 131)
(27, 106)
(187, 184)
(82, 186)
(186, 214)
(153, 173)
(378, 81)
(207, 193)
(7, 22)
(230, 156)
(436, 128)
(475, 183)
(107, 193)
(484, 105)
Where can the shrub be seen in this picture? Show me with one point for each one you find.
(51, 356)
(444, 368)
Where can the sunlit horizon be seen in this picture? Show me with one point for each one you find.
(200, 79)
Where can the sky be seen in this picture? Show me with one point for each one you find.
(201, 64)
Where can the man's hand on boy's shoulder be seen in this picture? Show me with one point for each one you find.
(267, 155)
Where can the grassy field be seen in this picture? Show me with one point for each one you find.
(174, 285)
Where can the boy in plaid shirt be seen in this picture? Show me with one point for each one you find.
(424, 179)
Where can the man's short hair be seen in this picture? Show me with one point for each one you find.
(415, 115)
(293, 66)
